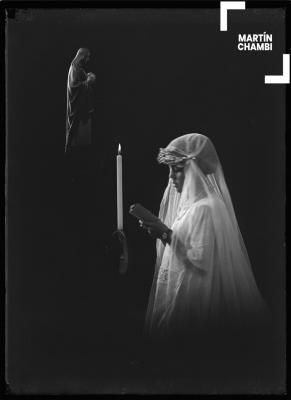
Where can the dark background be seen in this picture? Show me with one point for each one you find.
(73, 323)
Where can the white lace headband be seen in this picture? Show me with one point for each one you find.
(167, 156)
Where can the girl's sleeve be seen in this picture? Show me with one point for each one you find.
(200, 240)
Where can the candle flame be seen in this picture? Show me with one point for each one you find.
(119, 149)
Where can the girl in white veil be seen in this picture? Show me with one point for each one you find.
(203, 276)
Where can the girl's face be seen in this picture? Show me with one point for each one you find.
(177, 175)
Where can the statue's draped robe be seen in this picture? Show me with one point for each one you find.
(79, 109)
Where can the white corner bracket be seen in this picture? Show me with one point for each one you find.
(229, 5)
(285, 78)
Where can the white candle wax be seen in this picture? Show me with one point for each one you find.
(119, 189)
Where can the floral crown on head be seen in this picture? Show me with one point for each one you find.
(167, 156)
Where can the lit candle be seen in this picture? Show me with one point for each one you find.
(119, 189)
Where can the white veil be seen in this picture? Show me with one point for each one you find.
(233, 292)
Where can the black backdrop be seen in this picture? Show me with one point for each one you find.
(160, 74)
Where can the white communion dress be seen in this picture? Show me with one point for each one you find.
(203, 278)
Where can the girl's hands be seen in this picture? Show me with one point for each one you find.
(155, 229)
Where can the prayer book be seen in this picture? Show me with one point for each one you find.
(140, 212)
